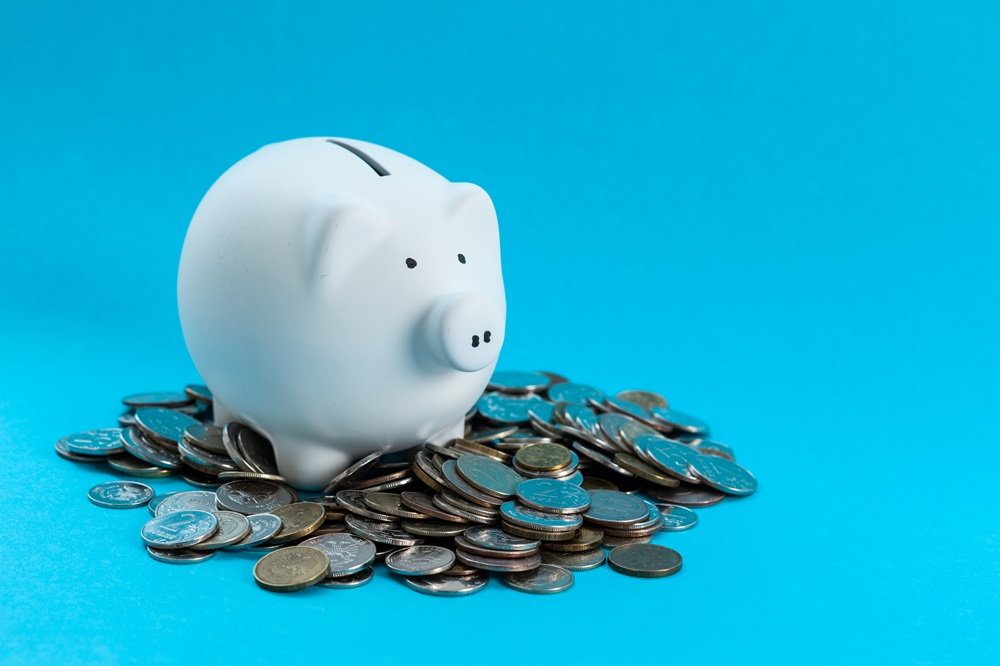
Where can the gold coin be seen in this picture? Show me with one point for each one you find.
(543, 457)
(298, 520)
(290, 569)
(644, 470)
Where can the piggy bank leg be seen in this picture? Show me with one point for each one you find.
(454, 431)
(309, 465)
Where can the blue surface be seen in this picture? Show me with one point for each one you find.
(781, 215)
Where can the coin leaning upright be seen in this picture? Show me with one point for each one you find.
(291, 569)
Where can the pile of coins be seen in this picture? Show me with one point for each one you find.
(549, 475)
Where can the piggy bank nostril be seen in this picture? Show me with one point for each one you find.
(486, 336)
(475, 340)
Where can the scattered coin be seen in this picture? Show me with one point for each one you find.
(499, 564)
(201, 500)
(495, 538)
(233, 527)
(422, 503)
(420, 560)
(677, 518)
(687, 495)
(575, 393)
(645, 471)
(205, 436)
(165, 426)
(722, 474)
(198, 392)
(583, 560)
(353, 471)
(611, 508)
(120, 494)
(392, 504)
(543, 457)
(347, 582)
(179, 529)
(129, 465)
(534, 519)
(381, 532)
(256, 451)
(503, 408)
(544, 579)
(671, 457)
(433, 529)
(679, 420)
(252, 496)
(99, 443)
(291, 569)
(298, 520)
(645, 399)
(489, 476)
(136, 443)
(348, 553)
(263, 526)
(179, 555)
(645, 560)
(449, 586)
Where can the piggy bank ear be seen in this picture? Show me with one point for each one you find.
(338, 233)
(470, 206)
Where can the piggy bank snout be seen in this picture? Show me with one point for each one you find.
(466, 331)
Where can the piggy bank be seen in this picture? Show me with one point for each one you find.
(341, 298)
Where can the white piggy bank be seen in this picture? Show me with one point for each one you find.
(341, 298)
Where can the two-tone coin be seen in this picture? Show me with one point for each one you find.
(233, 527)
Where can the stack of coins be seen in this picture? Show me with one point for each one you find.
(549, 475)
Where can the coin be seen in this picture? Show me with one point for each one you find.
(154, 503)
(586, 538)
(489, 476)
(544, 579)
(179, 529)
(99, 443)
(433, 529)
(448, 586)
(538, 535)
(687, 495)
(391, 504)
(165, 426)
(251, 496)
(465, 446)
(576, 393)
(381, 482)
(629, 434)
(201, 500)
(645, 471)
(66, 454)
(136, 443)
(671, 457)
(179, 555)
(611, 508)
(518, 382)
(230, 441)
(348, 553)
(506, 409)
(723, 474)
(347, 582)
(580, 416)
(291, 569)
(495, 538)
(469, 547)
(492, 435)
(533, 519)
(381, 532)
(198, 392)
(601, 459)
(712, 448)
(451, 504)
(233, 527)
(205, 436)
(256, 451)
(204, 461)
(422, 503)
(234, 475)
(354, 501)
(679, 420)
(499, 564)
(645, 399)
(200, 479)
(263, 526)
(597, 483)
(645, 560)
(298, 520)
(614, 542)
(457, 483)
(120, 494)
(128, 464)
(677, 518)
(157, 399)
(353, 471)
(553, 496)
(580, 561)
(420, 560)
(543, 457)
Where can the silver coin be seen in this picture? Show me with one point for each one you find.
(498, 564)
(263, 526)
(457, 483)
(157, 500)
(101, 442)
(198, 392)
(601, 459)
(595, 440)
(348, 553)
(611, 425)
(448, 501)
(381, 532)
(553, 496)
(533, 519)
(391, 504)
(204, 461)
(179, 529)
(163, 425)
(180, 555)
(576, 393)
(230, 441)
(722, 474)
(157, 399)
(581, 416)
(128, 464)
(347, 582)
(545, 428)
(677, 518)
(420, 560)
(233, 527)
(206, 436)
(353, 471)
(256, 451)
(201, 500)
(449, 586)
(495, 538)
(680, 420)
(126, 418)
(120, 494)
(466, 516)
(611, 508)
(629, 434)
(491, 435)
(136, 443)
(432, 528)
(563, 473)
(503, 408)
(248, 496)
(488, 476)
(626, 407)
(423, 503)
(578, 561)
(669, 456)
(713, 448)
(66, 454)
(686, 495)
(518, 382)
(546, 579)
(645, 399)
(354, 501)
(467, 546)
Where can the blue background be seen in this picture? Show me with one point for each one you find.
(783, 216)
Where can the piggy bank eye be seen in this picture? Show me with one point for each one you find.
(461, 258)
(411, 263)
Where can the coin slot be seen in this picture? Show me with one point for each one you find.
(368, 159)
